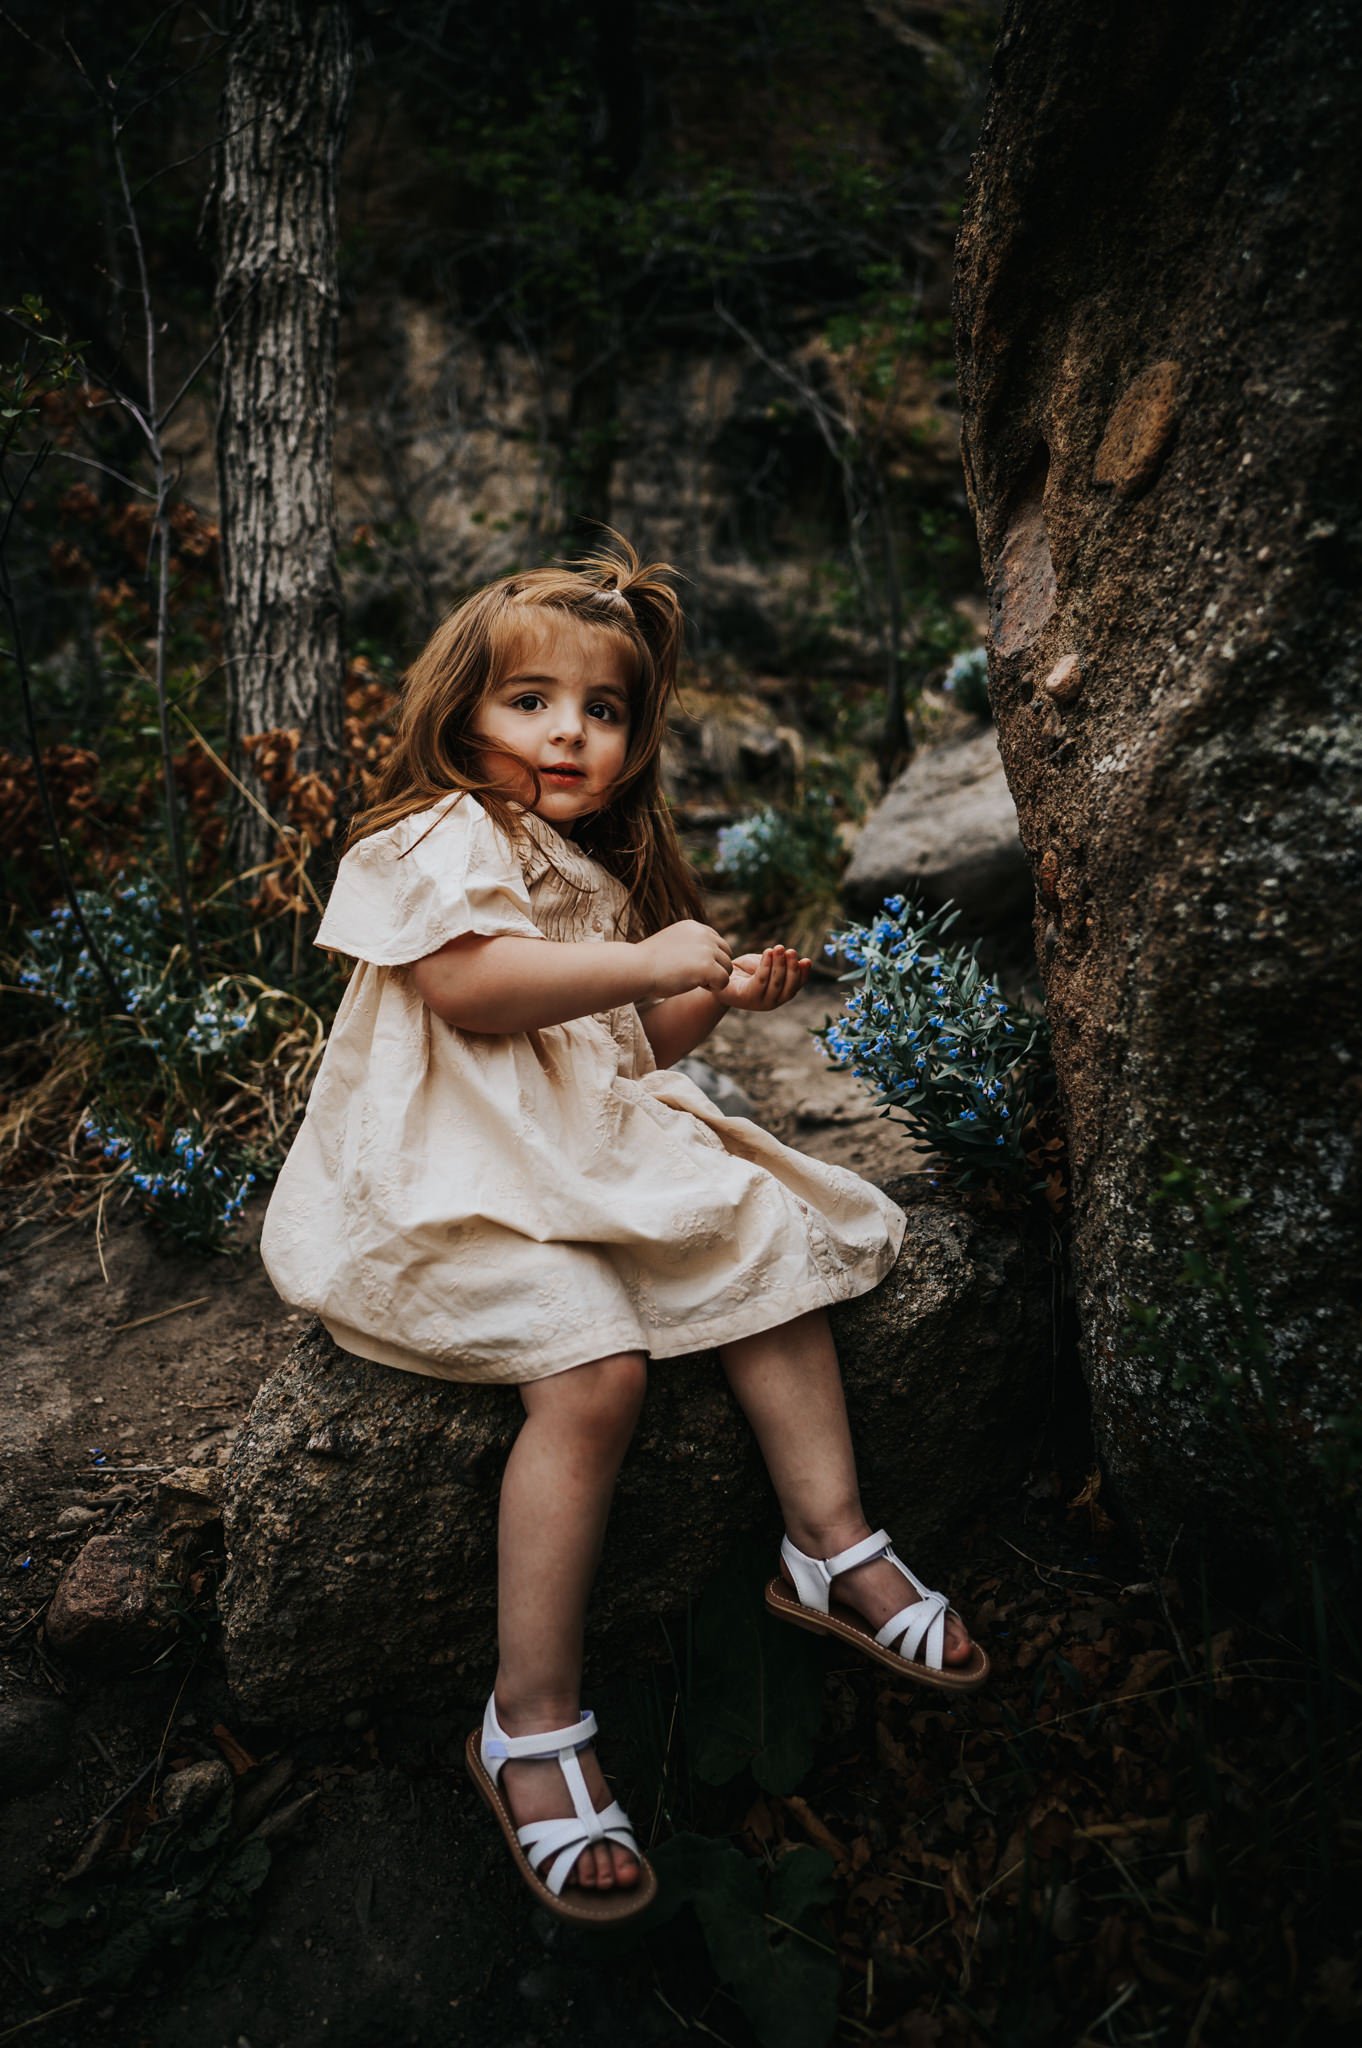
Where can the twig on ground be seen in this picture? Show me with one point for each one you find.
(159, 1315)
(40, 2018)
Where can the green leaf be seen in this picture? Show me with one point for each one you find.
(241, 1873)
(758, 1692)
(764, 1942)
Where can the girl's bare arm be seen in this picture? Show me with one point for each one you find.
(677, 1026)
(498, 985)
(759, 981)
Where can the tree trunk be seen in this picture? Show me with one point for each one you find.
(1158, 335)
(285, 103)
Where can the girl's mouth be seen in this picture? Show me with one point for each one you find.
(563, 774)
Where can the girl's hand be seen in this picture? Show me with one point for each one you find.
(763, 981)
(685, 956)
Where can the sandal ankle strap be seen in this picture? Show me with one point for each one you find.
(550, 1746)
(814, 1575)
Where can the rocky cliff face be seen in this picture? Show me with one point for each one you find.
(1158, 290)
(451, 467)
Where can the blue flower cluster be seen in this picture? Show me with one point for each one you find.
(169, 1045)
(745, 847)
(125, 925)
(216, 1023)
(169, 1010)
(186, 1183)
(928, 1033)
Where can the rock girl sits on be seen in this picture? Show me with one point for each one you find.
(500, 1177)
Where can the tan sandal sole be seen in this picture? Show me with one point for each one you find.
(576, 1903)
(848, 1627)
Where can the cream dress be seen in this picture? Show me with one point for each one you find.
(481, 1207)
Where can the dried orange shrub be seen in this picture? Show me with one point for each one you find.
(197, 538)
(102, 829)
(369, 709)
(272, 755)
(308, 799)
(61, 409)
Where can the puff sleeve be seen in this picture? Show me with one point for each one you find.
(406, 892)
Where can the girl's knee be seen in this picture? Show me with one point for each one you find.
(601, 1398)
(615, 1387)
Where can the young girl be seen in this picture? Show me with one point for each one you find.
(499, 1176)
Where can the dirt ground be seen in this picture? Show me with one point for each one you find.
(389, 1913)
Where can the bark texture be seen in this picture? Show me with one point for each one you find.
(1158, 338)
(285, 102)
(361, 1502)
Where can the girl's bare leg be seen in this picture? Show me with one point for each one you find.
(788, 1384)
(555, 1497)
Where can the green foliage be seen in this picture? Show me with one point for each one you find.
(764, 1932)
(927, 1032)
(179, 1876)
(177, 1055)
(783, 858)
(46, 362)
(757, 1697)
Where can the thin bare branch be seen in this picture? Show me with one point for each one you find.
(105, 469)
(206, 357)
(181, 162)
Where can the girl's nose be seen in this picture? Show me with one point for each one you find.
(567, 727)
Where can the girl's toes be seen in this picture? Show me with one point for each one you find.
(585, 1873)
(605, 1866)
(958, 1644)
(626, 1869)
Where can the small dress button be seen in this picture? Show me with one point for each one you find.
(595, 924)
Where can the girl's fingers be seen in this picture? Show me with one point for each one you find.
(789, 973)
(793, 973)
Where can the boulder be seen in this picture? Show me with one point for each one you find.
(121, 1597)
(946, 829)
(109, 1608)
(361, 1502)
(1164, 479)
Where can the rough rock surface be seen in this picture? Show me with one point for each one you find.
(948, 829)
(361, 1502)
(1158, 292)
(107, 1607)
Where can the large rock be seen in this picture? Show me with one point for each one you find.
(946, 829)
(362, 1501)
(109, 1608)
(1160, 360)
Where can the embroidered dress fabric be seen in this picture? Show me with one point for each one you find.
(481, 1207)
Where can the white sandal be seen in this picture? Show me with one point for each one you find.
(921, 1626)
(562, 1841)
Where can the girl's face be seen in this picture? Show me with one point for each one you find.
(564, 707)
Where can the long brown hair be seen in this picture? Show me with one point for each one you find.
(435, 751)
